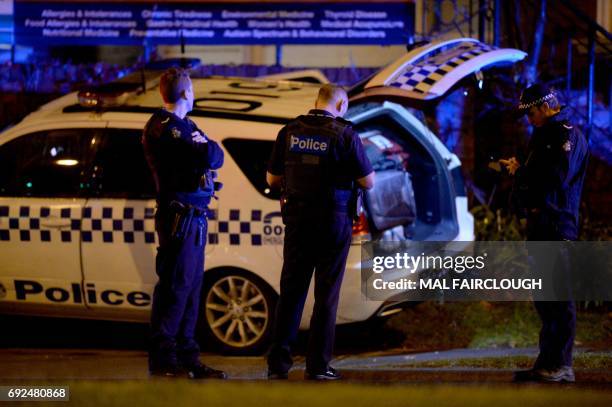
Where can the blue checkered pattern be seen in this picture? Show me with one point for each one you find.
(240, 227)
(105, 224)
(121, 225)
(426, 72)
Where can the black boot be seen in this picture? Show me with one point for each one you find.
(277, 375)
(563, 374)
(201, 371)
(166, 371)
(329, 374)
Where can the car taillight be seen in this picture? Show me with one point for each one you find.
(361, 230)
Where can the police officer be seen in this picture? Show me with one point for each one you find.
(317, 160)
(548, 184)
(181, 158)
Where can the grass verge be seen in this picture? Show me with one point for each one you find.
(432, 326)
(212, 394)
(597, 361)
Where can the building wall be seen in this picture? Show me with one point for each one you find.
(291, 55)
(604, 14)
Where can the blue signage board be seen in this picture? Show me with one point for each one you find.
(213, 23)
(6, 22)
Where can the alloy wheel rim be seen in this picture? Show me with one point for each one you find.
(237, 311)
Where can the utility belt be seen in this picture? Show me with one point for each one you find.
(337, 198)
(184, 216)
(295, 206)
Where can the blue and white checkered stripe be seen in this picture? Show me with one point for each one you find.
(104, 224)
(124, 225)
(424, 74)
(242, 227)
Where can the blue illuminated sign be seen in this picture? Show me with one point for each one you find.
(6, 22)
(213, 23)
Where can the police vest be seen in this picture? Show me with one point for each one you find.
(310, 163)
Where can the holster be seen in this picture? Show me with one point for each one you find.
(184, 215)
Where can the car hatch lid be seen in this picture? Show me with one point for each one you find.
(429, 71)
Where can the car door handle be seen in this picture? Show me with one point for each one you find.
(58, 223)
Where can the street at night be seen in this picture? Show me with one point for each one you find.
(307, 203)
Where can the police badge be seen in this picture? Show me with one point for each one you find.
(176, 133)
(567, 146)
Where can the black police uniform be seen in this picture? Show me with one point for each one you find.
(319, 158)
(181, 158)
(547, 189)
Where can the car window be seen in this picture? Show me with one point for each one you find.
(120, 169)
(252, 157)
(51, 163)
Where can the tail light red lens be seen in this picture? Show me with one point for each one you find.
(361, 230)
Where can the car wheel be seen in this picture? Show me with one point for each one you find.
(237, 311)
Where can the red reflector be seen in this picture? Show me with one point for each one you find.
(360, 226)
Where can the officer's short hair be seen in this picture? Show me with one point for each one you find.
(331, 93)
(173, 83)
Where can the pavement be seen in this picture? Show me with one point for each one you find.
(27, 365)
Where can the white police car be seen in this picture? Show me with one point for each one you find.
(77, 233)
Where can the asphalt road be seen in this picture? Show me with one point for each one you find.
(36, 332)
(33, 365)
(34, 349)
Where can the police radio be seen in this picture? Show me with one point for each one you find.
(209, 182)
(217, 185)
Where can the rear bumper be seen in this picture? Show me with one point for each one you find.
(355, 307)
(392, 306)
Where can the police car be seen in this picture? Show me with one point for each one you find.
(77, 234)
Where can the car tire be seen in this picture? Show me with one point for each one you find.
(237, 311)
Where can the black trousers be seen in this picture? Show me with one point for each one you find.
(319, 246)
(558, 318)
(176, 298)
(557, 333)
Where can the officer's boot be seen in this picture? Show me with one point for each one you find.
(201, 371)
(189, 358)
(163, 364)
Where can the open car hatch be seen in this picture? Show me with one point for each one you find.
(429, 71)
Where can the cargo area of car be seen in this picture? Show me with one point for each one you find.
(393, 146)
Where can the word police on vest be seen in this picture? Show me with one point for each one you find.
(309, 145)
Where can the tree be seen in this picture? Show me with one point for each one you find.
(530, 73)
